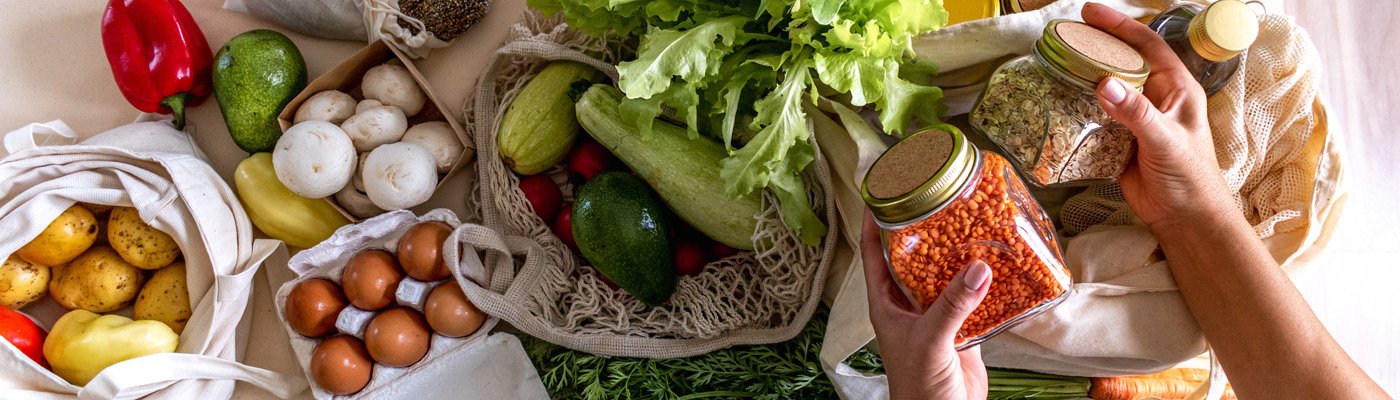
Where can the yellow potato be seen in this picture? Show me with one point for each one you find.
(22, 282)
(138, 243)
(165, 298)
(99, 210)
(99, 280)
(66, 237)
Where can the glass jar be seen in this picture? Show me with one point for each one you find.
(1020, 6)
(942, 203)
(1041, 112)
(1209, 40)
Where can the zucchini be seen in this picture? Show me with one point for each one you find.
(684, 171)
(539, 126)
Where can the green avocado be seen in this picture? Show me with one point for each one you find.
(255, 75)
(620, 227)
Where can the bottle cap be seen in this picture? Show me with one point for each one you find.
(1087, 55)
(919, 175)
(1223, 30)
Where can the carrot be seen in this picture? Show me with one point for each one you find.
(1172, 384)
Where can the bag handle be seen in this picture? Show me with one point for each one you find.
(142, 376)
(52, 133)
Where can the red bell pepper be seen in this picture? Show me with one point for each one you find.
(20, 331)
(158, 55)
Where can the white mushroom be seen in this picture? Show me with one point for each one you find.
(358, 181)
(314, 159)
(375, 126)
(367, 104)
(332, 106)
(393, 85)
(356, 203)
(439, 139)
(399, 176)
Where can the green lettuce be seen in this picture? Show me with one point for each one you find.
(743, 70)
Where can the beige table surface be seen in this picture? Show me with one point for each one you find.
(52, 67)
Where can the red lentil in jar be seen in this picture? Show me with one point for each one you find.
(942, 203)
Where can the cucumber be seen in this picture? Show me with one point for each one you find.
(684, 171)
(539, 126)
(620, 227)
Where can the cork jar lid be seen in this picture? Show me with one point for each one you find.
(918, 175)
(1223, 30)
(1088, 55)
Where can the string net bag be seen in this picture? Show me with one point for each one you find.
(542, 288)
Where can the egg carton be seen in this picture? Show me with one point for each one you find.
(447, 358)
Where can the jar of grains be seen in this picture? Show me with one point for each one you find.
(1041, 111)
(941, 204)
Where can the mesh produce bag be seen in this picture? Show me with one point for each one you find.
(764, 296)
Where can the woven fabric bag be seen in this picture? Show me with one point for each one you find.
(764, 296)
(161, 173)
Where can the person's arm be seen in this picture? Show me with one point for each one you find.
(1268, 340)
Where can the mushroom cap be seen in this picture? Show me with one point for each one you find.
(332, 106)
(440, 140)
(314, 159)
(399, 176)
(393, 85)
(375, 126)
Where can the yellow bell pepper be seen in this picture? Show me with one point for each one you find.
(279, 213)
(83, 343)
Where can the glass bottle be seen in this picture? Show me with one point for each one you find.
(971, 10)
(1041, 112)
(942, 203)
(1210, 39)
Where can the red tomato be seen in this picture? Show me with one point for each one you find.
(689, 258)
(544, 196)
(721, 251)
(590, 159)
(20, 331)
(564, 226)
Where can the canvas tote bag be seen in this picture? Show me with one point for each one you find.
(159, 171)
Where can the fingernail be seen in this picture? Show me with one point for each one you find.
(977, 275)
(1115, 91)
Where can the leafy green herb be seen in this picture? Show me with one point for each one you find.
(788, 370)
(725, 67)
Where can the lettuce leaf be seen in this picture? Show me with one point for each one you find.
(725, 67)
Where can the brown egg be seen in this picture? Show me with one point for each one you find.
(312, 307)
(420, 251)
(341, 365)
(370, 279)
(398, 337)
(450, 313)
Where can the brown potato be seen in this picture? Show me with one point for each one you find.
(99, 280)
(138, 243)
(165, 298)
(65, 238)
(22, 282)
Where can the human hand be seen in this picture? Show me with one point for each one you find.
(917, 348)
(1175, 178)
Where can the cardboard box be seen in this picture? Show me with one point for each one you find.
(346, 78)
